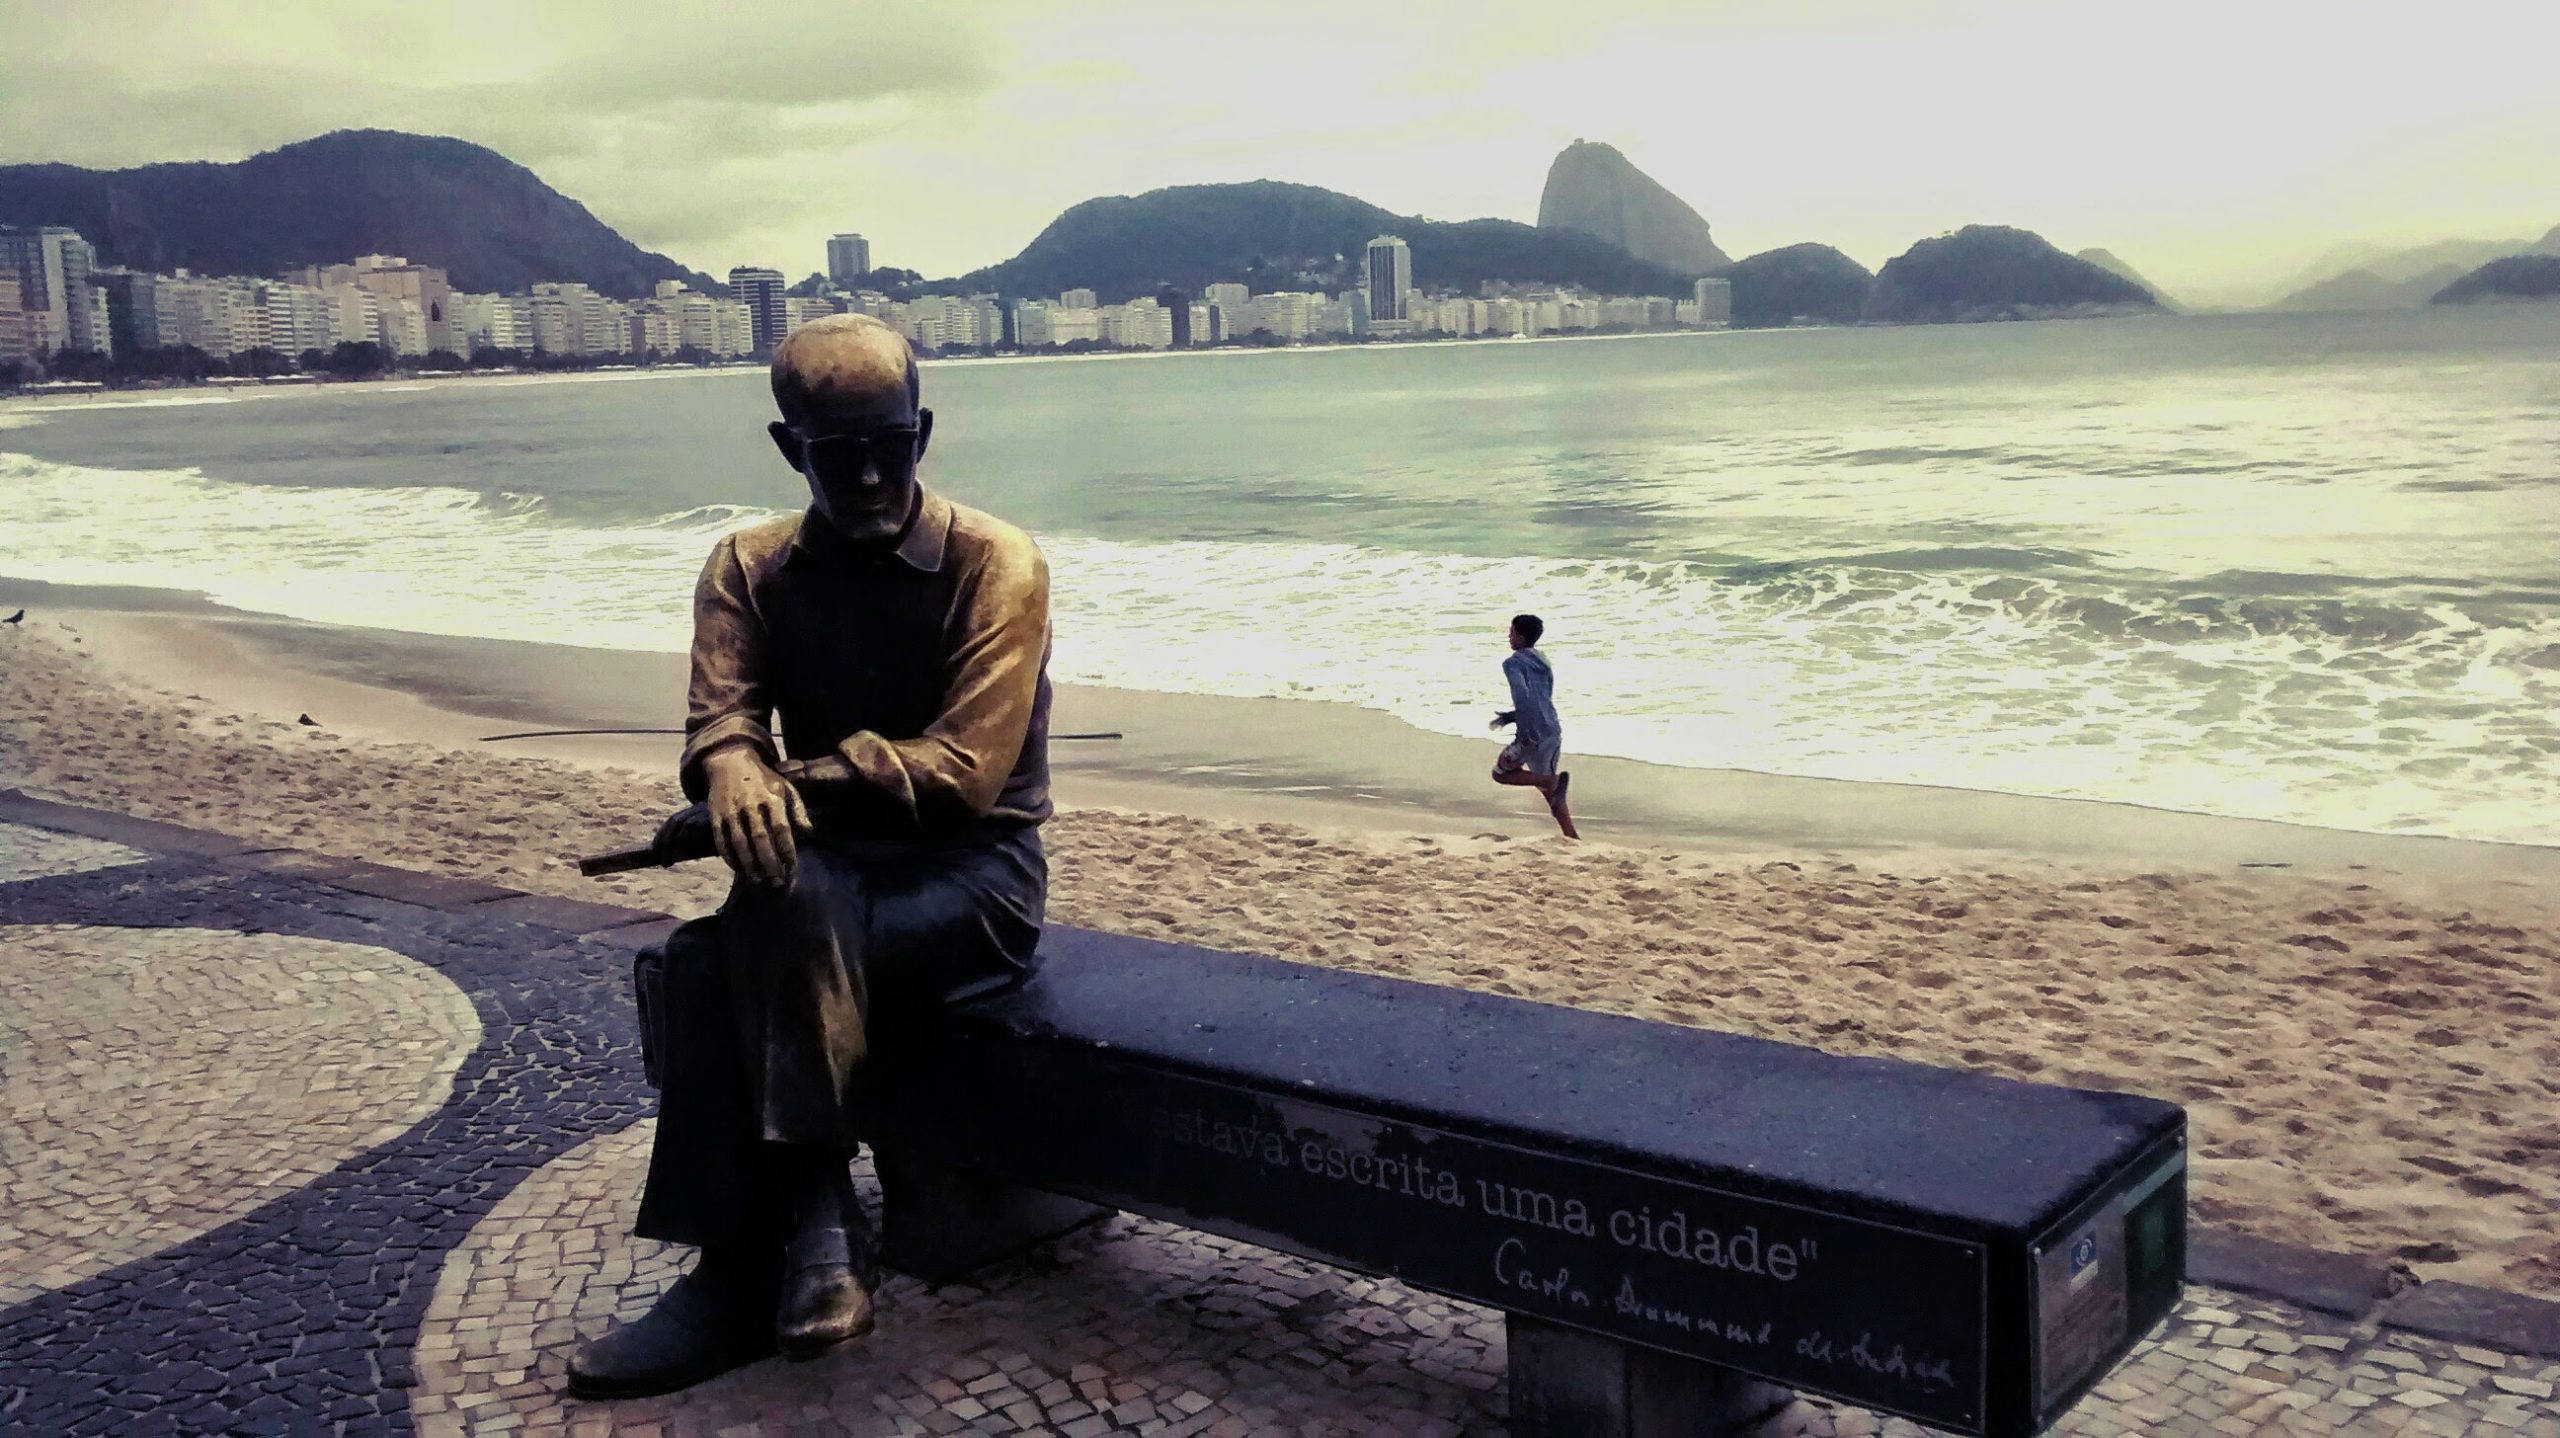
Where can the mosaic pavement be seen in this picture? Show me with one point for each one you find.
(384, 1179)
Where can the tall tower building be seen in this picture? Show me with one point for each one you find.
(761, 291)
(1177, 303)
(1390, 274)
(848, 259)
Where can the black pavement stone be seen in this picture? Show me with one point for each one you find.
(411, 887)
(573, 916)
(149, 835)
(2337, 1283)
(2484, 1317)
(299, 863)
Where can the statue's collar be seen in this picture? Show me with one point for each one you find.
(922, 546)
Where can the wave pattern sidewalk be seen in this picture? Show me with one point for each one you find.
(418, 1228)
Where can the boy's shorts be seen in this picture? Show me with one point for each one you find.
(1538, 756)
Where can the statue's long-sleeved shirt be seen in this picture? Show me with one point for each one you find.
(923, 663)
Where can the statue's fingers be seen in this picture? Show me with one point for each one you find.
(778, 822)
(799, 811)
(724, 837)
(760, 837)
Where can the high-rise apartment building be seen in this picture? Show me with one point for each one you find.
(1390, 275)
(798, 310)
(736, 325)
(1078, 300)
(392, 278)
(1290, 314)
(15, 349)
(133, 309)
(52, 266)
(848, 259)
(571, 319)
(298, 317)
(760, 290)
(1715, 304)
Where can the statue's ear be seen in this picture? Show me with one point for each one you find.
(924, 430)
(786, 441)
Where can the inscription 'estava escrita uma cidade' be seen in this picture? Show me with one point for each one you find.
(1668, 1236)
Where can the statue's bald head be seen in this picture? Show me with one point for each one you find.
(846, 372)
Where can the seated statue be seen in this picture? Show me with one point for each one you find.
(886, 855)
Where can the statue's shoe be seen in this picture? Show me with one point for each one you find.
(699, 1330)
(824, 1302)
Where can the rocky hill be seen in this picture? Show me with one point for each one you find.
(2516, 277)
(1276, 236)
(1594, 190)
(1800, 284)
(489, 222)
(2106, 260)
(1993, 272)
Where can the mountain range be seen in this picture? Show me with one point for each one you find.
(1603, 224)
(2367, 278)
(485, 220)
(1276, 236)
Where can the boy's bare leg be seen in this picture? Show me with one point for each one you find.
(1551, 786)
(1556, 805)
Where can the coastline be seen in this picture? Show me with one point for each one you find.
(1329, 766)
(195, 391)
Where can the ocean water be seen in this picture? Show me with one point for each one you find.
(2297, 567)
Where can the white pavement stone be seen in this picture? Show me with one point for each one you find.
(1131, 1326)
(157, 1083)
(31, 853)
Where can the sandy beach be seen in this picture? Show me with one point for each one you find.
(2366, 1031)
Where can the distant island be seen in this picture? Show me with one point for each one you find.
(2516, 277)
(1993, 272)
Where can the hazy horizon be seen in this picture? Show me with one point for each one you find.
(2224, 152)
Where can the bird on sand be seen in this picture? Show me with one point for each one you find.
(14, 618)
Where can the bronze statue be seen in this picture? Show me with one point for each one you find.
(887, 854)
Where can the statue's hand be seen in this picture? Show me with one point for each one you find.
(755, 815)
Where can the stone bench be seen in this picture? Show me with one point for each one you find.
(1680, 1225)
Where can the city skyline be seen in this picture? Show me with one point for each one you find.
(2218, 149)
(65, 318)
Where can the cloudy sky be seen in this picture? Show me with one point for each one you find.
(2220, 146)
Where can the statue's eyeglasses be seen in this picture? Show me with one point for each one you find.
(890, 447)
